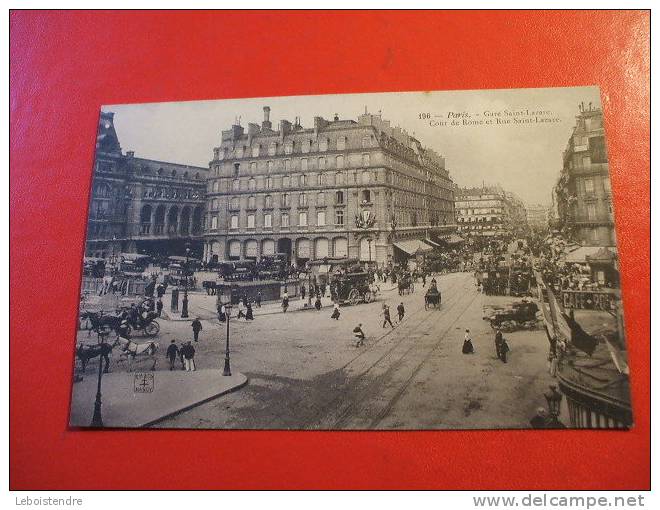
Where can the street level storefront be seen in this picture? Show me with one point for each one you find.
(411, 252)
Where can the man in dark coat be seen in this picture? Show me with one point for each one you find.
(159, 307)
(196, 327)
(172, 353)
(401, 311)
(258, 299)
(386, 316)
(248, 314)
(498, 343)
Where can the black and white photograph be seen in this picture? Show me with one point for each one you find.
(387, 261)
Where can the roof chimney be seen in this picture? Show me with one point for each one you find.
(266, 124)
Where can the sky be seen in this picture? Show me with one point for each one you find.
(523, 158)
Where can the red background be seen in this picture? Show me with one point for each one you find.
(65, 65)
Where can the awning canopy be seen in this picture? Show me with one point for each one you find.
(579, 256)
(413, 246)
(454, 239)
(602, 256)
(432, 243)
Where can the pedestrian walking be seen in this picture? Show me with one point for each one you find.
(504, 349)
(189, 356)
(241, 311)
(359, 335)
(159, 307)
(401, 311)
(196, 327)
(245, 300)
(258, 299)
(303, 291)
(468, 348)
(335, 312)
(172, 353)
(498, 343)
(249, 316)
(386, 316)
(317, 303)
(285, 302)
(423, 279)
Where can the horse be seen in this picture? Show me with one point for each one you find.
(131, 349)
(100, 322)
(86, 352)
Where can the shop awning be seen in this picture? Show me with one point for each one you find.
(454, 239)
(579, 256)
(413, 246)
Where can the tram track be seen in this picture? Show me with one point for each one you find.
(342, 408)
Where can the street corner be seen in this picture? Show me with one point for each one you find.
(142, 399)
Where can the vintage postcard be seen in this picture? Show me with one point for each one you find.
(395, 261)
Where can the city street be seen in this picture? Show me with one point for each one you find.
(305, 371)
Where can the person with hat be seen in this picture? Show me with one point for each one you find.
(196, 327)
(359, 335)
(172, 353)
(498, 343)
(468, 348)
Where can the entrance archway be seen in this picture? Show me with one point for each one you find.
(284, 246)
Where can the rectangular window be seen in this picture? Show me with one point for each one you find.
(214, 223)
(589, 185)
(304, 164)
(321, 163)
(285, 200)
(606, 185)
(250, 221)
(286, 181)
(320, 218)
(591, 211)
(268, 220)
(253, 168)
(302, 219)
(340, 161)
(285, 220)
(341, 143)
(323, 144)
(339, 217)
(288, 147)
(234, 221)
(270, 166)
(255, 151)
(302, 200)
(287, 165)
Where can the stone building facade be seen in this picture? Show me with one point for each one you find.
(489, 211)
(538, 215)
(582, 195)
(344, 188)
(141, 205)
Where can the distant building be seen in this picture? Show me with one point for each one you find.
(538, 215)
(489, 211)
(140, 205)
(342, 188)
(582, 195)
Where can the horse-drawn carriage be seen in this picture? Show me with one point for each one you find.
(352, 287)
(433, 297)
(405, 284)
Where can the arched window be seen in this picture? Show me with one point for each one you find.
(366, 196)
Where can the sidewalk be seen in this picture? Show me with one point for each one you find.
(204, 306)
(128, 400)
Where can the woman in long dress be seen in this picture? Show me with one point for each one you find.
(468, 348)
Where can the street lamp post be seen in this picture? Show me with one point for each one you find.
(184, 304)
(227, 370)
(553, 397)
(97, 419)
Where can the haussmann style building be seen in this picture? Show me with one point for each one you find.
(342, 188)
(582, 195)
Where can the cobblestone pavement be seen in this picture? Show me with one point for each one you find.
(305, 371)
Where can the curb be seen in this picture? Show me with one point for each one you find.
(192, 406)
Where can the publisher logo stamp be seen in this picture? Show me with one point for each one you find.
(143, 383)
